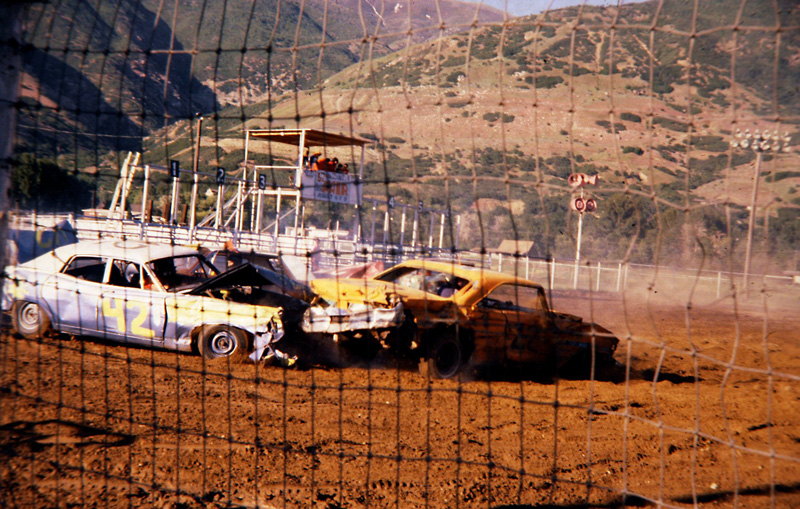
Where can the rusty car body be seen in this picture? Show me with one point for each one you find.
(457, 315)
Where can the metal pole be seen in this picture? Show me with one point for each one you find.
(145, 189)
(458, 230)
(237, 223)
(252, 201)
(174, 210)
(298, 175)
(430, 230)
(386, 227)
(124, 193)
(259, 211)
(195, 165)
(277, 217)
(303, 216)
(415, 232)
(218, 218)
(246, 147)
(552, 273)
(625, 281)
(240, 187)
(751, 223)
(372, 233)
(403, 228)
(356, 223)
(441, 230)
(578, 251)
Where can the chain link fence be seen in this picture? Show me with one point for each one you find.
(595, 302)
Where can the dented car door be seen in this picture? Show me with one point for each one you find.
(512, 323)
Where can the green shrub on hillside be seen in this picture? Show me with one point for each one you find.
(617, 125)
(630, 117)
(458, 104)
(710, 143)
(670, 124)
(544, 81)
(664, 76)
(454, 61)
(781, 175)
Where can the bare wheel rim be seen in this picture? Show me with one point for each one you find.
(222, 343)
(29, 316)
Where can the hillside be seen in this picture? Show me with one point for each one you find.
(501, 114)
(101, 76)
(493, 117)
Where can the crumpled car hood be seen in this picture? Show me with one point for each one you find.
(354, 291)
(251, 275)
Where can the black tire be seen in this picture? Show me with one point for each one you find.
(220, 341)
(29, 320)
(445, 358)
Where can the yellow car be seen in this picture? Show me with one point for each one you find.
(458, 316)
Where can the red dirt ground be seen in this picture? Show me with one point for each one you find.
(704, 410)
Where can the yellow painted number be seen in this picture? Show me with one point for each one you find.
(136, 324)
(115, 309)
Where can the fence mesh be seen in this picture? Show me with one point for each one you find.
(594, 211)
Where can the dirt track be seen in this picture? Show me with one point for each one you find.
(98, 424)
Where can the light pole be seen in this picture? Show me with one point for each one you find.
(759, 142)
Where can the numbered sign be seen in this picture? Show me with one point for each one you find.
(220, 176)
(419, 206)
(174, 168)
(391, 202)
(262, 182)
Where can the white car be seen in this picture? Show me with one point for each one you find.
(145, 293)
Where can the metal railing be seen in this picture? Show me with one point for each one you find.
(334, 249)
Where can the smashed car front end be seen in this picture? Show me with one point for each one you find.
(351, 306)
(575, 338)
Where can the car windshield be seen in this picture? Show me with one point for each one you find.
(178, 273)
(431, 281)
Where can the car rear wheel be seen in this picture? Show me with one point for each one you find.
(445, 358)
(29, 320)
(219, 341)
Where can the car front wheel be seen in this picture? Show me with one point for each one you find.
(29, 320)
(445, 358)
(218, 341)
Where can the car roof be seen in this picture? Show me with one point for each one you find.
(489, 278)
(132, 250)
